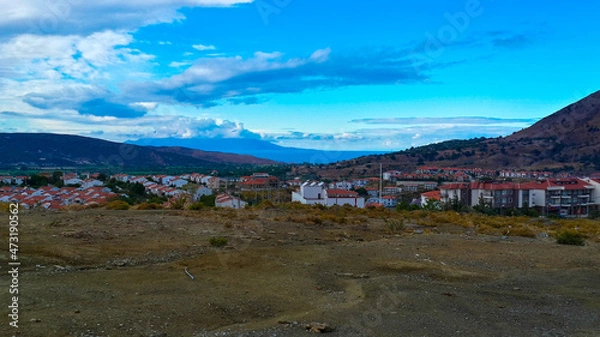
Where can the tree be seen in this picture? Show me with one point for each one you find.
(432, 205)
(37, 181)
(362, 191)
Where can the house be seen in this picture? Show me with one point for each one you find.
(178, 183)
(389, 201)
(91, 183)
(431, 195)
(341, 185)
(391, 175)
(372, 191)
(73, 181)
(343, 197)
(121, 177)
(202, 191)
(226, 200)
(313, 192)
(215, 183)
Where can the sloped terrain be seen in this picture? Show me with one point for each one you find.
(566, 140)
(123, 273)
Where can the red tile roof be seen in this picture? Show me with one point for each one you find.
(335, 193)
(435, 195)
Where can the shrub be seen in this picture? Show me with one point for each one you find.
(522, 231)
(3, 207)
(178, 202)
(147, 206)
(568, 237)
(197, 206)
(118, 205)
(266, 204)
(395, 225)
(218, 242)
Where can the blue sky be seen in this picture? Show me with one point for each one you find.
(326, 75)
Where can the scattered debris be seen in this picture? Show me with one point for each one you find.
(188, 273)
(319, 327)
(352, 275)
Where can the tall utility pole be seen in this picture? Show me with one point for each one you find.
(380, 182)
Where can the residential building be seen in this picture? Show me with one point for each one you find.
(313, 192)
(569, 197)
(202, 191)
(431, 195)
(226, 200)
(455, 191)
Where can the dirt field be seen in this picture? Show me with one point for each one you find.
(122, 273)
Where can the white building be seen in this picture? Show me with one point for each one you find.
(312, 193)
(202, 191)
(91, 183)
(228, 201)
(178, 183)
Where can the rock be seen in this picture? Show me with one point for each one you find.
(319, 327)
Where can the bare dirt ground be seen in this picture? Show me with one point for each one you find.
(122, 273)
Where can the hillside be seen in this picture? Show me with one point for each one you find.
(566, 140)
(256, 147)
(44, 150)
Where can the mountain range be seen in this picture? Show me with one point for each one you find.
(567, 140)
(257, 148)
(45, 150)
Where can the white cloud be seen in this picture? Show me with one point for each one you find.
(202, 47)
(176, 64)
(320, 55)
(77, 16)
(74, 56)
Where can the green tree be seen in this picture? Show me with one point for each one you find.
(37, 181)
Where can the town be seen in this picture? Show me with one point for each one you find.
(504, 192)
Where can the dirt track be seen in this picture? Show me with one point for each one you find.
(111, 273)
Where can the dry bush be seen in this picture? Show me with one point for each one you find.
(76, 207)
(488, 230)
(118, 205)
(148, 206)
(521, 231)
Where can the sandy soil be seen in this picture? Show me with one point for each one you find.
(122, 273)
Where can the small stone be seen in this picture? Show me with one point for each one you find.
(77, 311)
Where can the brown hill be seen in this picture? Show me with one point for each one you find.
(568, 140)
(44, 150)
